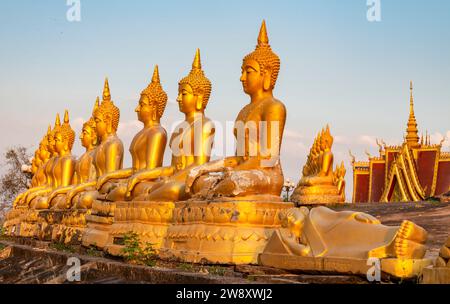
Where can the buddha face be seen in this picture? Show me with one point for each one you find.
(51, 144)
(188, 102)
(87, 136)
(145, 111)
(254, 80)
(103, 124)
(60, 145)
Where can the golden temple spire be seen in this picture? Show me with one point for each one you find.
(263, 38)
(155, 77)
(412, 137)
(106, 93)
(197, 64)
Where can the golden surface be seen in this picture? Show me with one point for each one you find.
(320, 184)
(256, 168)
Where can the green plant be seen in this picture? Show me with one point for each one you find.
(186, 266)
(93, 251)
(62, 247)
(2, 247)
(216, 270)
(137, 252)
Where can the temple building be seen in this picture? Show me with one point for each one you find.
(413, 171)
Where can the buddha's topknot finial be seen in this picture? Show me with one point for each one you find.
(197, 64)
(106, 92)
(263, 38)
(57, 121)
(155, 77)
(66, 117)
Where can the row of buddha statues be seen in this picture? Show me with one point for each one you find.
(96, 181)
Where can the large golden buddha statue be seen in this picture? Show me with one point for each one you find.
(259, 126)
(63, 166)
(191, 143)
(320, 184)
(148, 145)
(108, 155)
(322, 232)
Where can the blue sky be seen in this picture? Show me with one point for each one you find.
(337, 67)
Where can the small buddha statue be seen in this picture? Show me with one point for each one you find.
(63, 167)
(108, 155)
(46, 188)
(191, 143)
(84, 170)
(320, 184)
(39, 179)
(322, 232)
(256, 168)
(147, 147)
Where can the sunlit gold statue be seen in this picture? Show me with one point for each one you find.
(322, 232)
(32, 194)
(191, 142)
(320, 184)
(108, 155)
(39, 178)
(259, 126)
(63, 166)
(84, 170)
(147, 147)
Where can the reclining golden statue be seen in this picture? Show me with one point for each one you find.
(320, 184)
(259, 126)
(322, 232)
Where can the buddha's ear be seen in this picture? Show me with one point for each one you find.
(267, 80)
(109, 124)
(199, 102)
(154, 112)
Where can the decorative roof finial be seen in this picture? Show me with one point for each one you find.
(412, 136)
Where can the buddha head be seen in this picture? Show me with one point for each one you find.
(261, 67)
(51, 137)
(88, 135)
(107, 115)
(326, 140)
(194, 90)
(43, 149)
(64, 136)
(153, 100)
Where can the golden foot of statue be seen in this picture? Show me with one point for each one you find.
(410, 240)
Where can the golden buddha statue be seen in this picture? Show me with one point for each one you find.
(191, 143)
(148, 145)
(63, 166)
(84, 169)
(320, 184)
(322, 232)
(39, 179)
(108, 155)
(30, 195)
(259, 126)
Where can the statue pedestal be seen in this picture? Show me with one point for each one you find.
(317, 195)
(149, 220)
(436, 275)
(398, 268)
(224, 231)
(98, 224)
